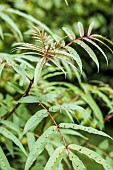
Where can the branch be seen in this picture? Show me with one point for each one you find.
(55, 123)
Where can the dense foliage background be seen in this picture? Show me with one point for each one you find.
(94, 93)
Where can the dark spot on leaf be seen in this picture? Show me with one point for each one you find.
(80, 149)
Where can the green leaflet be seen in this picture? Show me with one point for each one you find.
(74, 88)
(76, 162)
(60, 167)
(35, 120)
(72, 132)
(89, 51)
(58, 65)
(93, 43)
(104, 98)
(68, 62)
(91, 154)
(1, 33)
(74, 106)
(66, 2)
(31, 18)
(38, 70)
(10, 136)
(11, 23)
(84, 128)
(24, 62)
(103, 38)
(19, 56)
(36, 99)
(1, 68)
(90, 28)
(75, 55)
(68, 114)
(55, 159)
(12, 126)
(9, 146)
(68, 107)
(20, 70)
(52, 75)
(78, 76)
(50, 149)
(106, 89)
(3, 110)
(69, 33)
(59, 40)
(68, 70)
(4, 164)
(27, 57)
(30, 140)
(17, 88)
(94, 38)
(81, 29)
(67, 55)
(97, 112)
(104, 145)
(55, 108)
(39, 145)
(47, 97)
(28, 99)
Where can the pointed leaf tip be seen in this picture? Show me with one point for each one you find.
(89, 51)
(69, 33)
(81, 29)
(90, 28)
(66, 2)
(38, 70)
